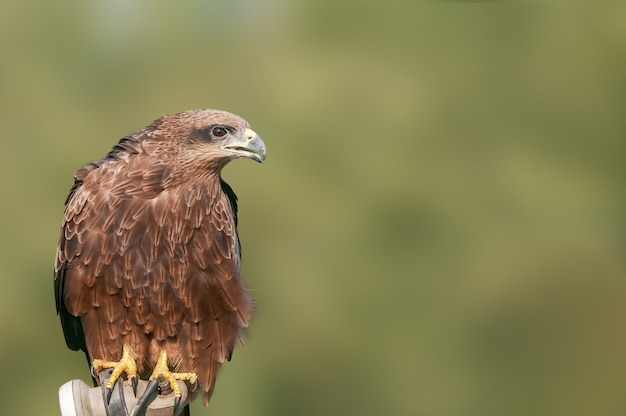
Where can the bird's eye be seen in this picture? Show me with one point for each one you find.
(219, 131)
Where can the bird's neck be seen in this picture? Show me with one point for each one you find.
(208, 178)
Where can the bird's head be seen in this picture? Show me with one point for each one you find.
(206, 139)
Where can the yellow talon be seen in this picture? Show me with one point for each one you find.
(161, 370)
(126, 364)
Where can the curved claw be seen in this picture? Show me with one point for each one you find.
(134, 382)
(176, 405)
(115, 404)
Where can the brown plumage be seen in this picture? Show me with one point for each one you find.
(148, 254)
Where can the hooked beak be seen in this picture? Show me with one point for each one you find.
(251, 146)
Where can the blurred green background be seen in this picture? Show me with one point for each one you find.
(438, 228)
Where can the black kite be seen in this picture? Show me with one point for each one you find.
(147, 266)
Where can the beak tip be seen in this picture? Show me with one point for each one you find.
(259, 148)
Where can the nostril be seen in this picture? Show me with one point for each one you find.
(250, 134)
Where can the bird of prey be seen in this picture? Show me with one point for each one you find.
(147, 268)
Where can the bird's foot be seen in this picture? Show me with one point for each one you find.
(167, 380)
(126, 365)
